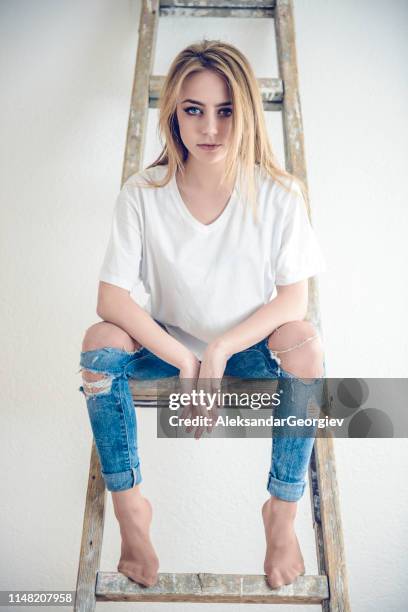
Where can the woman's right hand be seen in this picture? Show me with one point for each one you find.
(190, 368)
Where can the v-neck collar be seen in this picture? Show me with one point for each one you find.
(220, 220)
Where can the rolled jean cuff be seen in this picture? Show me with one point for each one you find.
(288, 491)
(120, 481)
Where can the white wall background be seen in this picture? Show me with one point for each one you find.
(66, 76)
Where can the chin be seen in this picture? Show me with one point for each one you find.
(209, 159)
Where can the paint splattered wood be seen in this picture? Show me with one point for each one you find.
(92, 535)
(211, 588)
(139, 104)
(216, 8)
(271, 92)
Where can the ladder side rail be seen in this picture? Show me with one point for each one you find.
(322, 471)
(92, 536)
(295, 158)
(331, 526)
(139, 104)
(94, 514)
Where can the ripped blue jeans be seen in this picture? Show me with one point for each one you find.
(113, 416)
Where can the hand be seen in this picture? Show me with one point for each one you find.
(188, 375)
(190, 368)
(209, 383)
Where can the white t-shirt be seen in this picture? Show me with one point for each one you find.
(201, 280)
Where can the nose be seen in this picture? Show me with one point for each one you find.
(210, 125)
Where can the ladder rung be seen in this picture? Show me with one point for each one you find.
(271, 91)
(221, 588)
(212, 8)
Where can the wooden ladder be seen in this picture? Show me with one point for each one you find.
(329, 588)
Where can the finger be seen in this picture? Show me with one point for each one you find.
(193, 413)
(199, 432)
(186, 412)
(187, 409)
(216, 400)
(187, 385)
(202, 407)
(213, 417)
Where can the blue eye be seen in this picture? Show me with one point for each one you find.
(186, 110)
(190, 108)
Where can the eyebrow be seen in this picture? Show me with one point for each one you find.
(201, 104)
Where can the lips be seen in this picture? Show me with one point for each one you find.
(209, 146)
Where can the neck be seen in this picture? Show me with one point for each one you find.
(204, 177)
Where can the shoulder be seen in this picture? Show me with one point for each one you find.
(145, 179)
(140, 190)
(278, 194)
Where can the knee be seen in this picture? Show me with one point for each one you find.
(291, 333)
(101, 335)
(299, 348)
(104, 334)
(95, 383)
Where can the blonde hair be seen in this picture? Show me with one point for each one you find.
(250, 146)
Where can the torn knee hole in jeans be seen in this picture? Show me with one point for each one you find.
(274, 354)
(95, 383)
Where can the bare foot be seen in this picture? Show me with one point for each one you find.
(138, 559)
(283, 558)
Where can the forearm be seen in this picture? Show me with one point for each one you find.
(282, 309)
(123, 311)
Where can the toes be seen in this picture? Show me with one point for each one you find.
(275, 579)
(144, 581)
(151, 581)
(148, 580)
(289, 577)
(278, 578)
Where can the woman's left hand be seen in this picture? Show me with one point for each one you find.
(209, 380)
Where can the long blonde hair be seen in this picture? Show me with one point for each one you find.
(250, 145)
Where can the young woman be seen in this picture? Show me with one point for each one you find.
(211, 269)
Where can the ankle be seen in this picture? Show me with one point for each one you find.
(281, 507)
(127, 501)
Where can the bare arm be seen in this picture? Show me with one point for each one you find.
(116, 306)
(290, 304)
